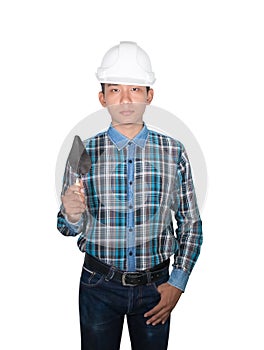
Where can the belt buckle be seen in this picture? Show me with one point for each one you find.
(124, 280)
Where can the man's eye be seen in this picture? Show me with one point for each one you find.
(135, 89)
(115, 90)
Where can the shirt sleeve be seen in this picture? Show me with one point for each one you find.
(64, 226)
(189, 225)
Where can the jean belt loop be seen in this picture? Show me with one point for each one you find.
(149, 277)
(110, 274)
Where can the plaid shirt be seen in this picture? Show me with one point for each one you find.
(133, 190)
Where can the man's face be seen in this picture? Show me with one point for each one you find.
(125, 103)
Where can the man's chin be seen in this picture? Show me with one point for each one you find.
(126, 123)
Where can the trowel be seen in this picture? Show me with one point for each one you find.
(78, 159)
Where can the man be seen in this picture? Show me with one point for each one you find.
(122, 208)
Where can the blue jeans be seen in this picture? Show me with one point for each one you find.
(103, 305)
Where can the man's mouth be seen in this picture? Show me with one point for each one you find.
(127, 113)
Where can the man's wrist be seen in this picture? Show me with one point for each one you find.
(73, 219)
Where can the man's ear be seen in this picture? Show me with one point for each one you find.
(101, 97)
(150, 96)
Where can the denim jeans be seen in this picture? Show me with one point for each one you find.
(104, 303)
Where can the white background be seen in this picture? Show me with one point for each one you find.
(208, 58)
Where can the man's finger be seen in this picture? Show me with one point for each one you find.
(75, 211)
(75, 205)
(74, 188)
(158, 317)
(74, 194)
(153, 311)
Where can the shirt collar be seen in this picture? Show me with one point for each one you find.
(121, 140)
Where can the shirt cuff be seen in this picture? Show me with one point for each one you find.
(178, 279)
(73, 225)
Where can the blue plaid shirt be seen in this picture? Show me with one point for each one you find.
(133, 190)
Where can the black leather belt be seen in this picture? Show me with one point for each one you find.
(126, 278)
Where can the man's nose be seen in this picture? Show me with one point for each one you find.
(125, 97)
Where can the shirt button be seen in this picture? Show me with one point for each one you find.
(131, 207)
(130, 182)
(129, 143)
(130, 230)
(130, 253)
(130, 161)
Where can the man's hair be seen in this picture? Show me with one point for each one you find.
(103, 88)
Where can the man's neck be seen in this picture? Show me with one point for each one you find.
(129, 130)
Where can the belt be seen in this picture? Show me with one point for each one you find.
(126, 278)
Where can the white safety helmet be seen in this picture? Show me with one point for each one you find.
(126, 64)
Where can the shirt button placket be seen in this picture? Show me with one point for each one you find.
(130, 212)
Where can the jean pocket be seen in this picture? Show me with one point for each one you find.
(90, 278)
(160, 281)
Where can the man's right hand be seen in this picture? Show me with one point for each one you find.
(74, 202)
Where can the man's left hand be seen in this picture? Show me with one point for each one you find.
(169, 296)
